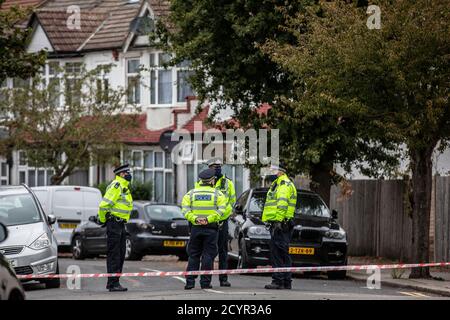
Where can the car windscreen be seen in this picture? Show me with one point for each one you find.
(163, 212)
(307, 204)
(18, 209)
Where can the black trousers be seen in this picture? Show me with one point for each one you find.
(202, 248)
(222, 244)
(279, 255)
(116, 242)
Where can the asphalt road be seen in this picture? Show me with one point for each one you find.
(243, 286)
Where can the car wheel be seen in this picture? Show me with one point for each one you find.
(243, 256)
(78, 251)
(232, 262)
(53, 283)
(130, 254)
(338, 275)
(16, 295)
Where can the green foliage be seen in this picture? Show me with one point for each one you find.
(66, 124)
(15, 60)
(139, 190)
(220, 39)
(102, 187)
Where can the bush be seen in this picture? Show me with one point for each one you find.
(139, 190)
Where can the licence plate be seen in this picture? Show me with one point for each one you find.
(173, 243)
(68, 225)
(13, 263)
(301, 250)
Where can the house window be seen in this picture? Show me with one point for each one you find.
(161, 84)
(168, 84)
(153, 166)
(102, 87)
(133, 82)
(35, 177)
(4, 172)
(53, 80)
(73, 84)
(3, 89)
(234, 172)
(19, 83)
(184, 88)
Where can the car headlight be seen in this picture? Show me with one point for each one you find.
(41, 243)
(335, 234)
(258, 231)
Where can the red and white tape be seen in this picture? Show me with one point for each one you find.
(236, 271)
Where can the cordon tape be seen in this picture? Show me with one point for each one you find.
(236, 271)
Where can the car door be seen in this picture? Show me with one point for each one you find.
(95, 237)
(236, 221)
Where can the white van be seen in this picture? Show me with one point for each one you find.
(70, 205)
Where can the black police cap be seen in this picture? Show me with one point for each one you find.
(122, 168)
(207, 174)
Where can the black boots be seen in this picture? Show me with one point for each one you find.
(225, 284)
(116, 288)
(277, 286)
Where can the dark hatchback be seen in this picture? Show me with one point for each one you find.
(318, 239)
(153, 229)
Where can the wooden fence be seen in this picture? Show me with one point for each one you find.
(442, 219)
(374, 219)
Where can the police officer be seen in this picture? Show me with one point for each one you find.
(278, 212)
(203, 207)
(114, 210)
(226, 186)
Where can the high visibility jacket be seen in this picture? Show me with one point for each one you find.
(117, 200)
(281, 200)
(226, 186)
(204, 201)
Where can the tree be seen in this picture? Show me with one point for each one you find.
(70, 128)
(220, 39)
(396, 76)
(231, 67)
(16, 61)
(319, 126)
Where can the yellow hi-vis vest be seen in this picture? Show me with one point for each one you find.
(281, 200)
(226, 186)
(117, 200)
(206, 202)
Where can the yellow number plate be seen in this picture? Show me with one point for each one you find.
(173, 243)
(68, 225)
(299, 250)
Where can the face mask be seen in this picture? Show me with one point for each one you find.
(271, 177)
(218, 172)
(128, 177)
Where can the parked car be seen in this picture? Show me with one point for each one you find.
(318, 239)
(31, 246)
(70, 205)
(153, 228)
(11, 288)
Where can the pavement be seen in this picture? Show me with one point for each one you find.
(244, 287)
(439, 284)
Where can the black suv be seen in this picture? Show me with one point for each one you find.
(153, 228)
(318, 240)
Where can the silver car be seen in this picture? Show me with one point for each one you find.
(10, 288)
(31, 247)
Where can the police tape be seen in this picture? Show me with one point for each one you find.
(234, 271)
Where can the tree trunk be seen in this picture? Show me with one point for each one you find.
(321, 181)
(422, 177)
